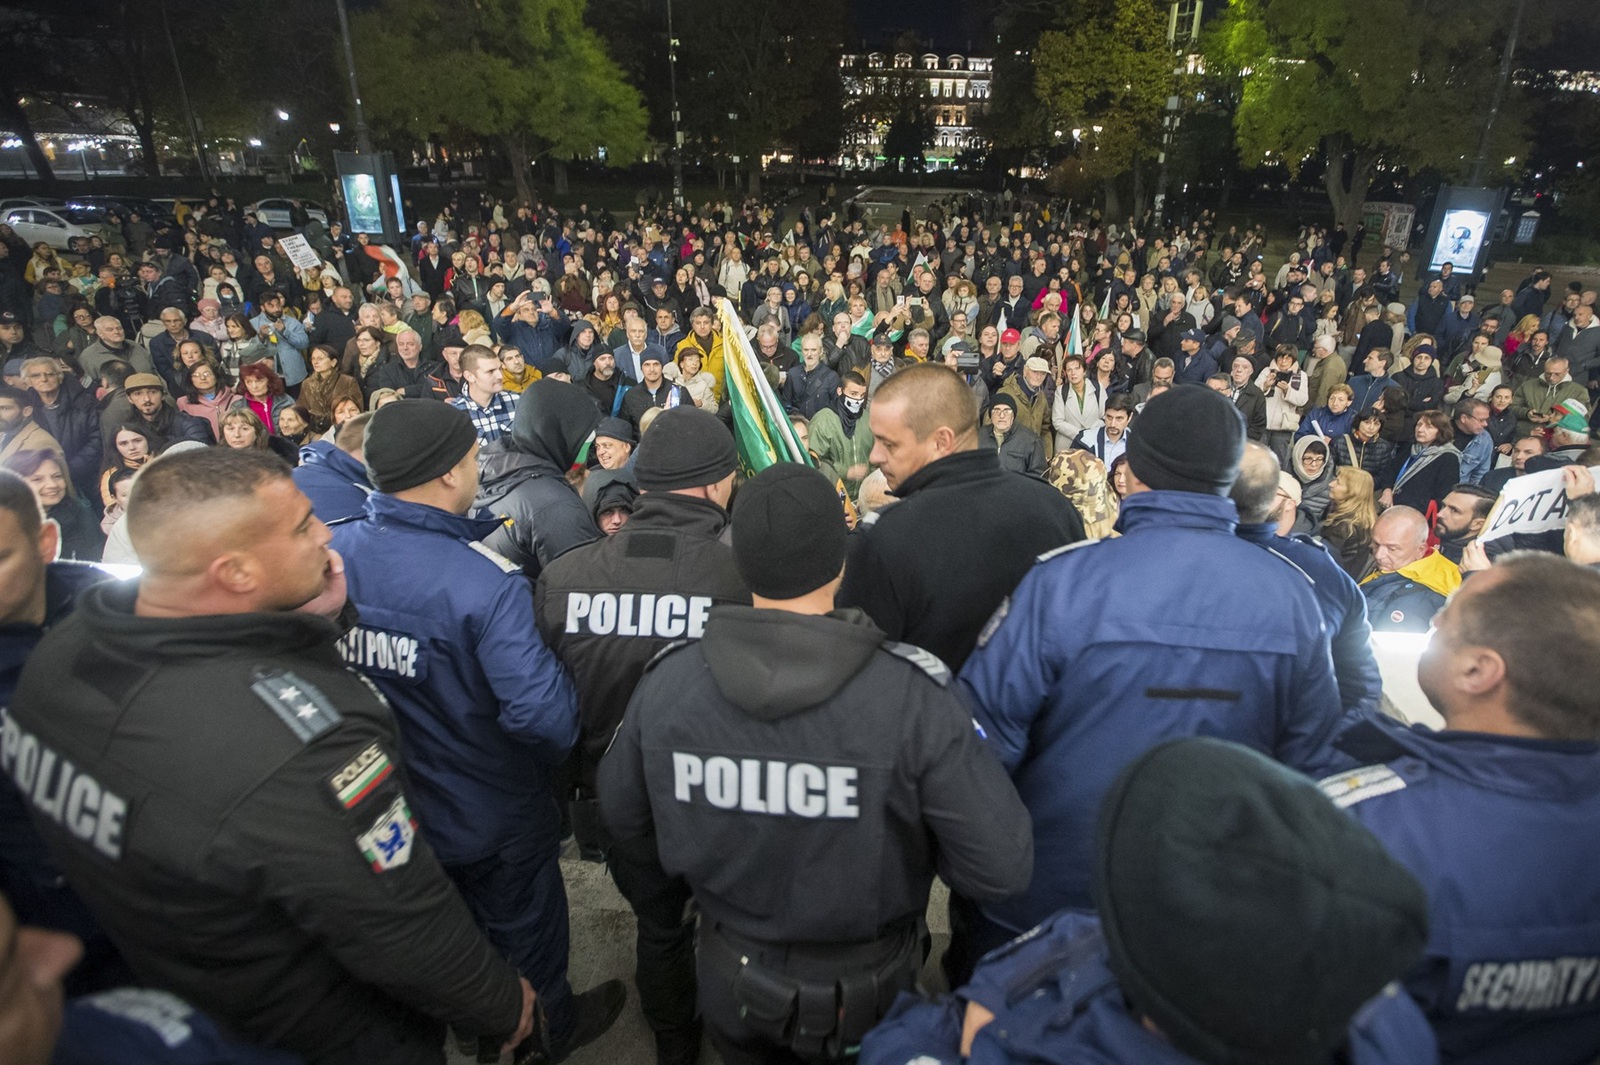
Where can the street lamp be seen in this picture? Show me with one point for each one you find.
(334, 127)
(283, 116)
(363, 140)
(677, 132)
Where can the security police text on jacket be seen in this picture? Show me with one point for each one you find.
(524, 476)
(808, 778)
(608, 608)
(1239, 921)
(254, 849)
(485, 710)
(1098, 656)
(1496, 814)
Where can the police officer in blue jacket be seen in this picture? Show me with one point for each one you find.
(1498, 815)
(486, 712)
(1256, 494)
(1177, 628)
(1241, 921)
(333, 476)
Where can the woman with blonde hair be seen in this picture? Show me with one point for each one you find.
(1521, 334)
(473, 328)
(1347, 526)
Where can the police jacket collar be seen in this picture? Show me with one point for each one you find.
(385, 509)
(323, 453)
(773, 663)
(667, 510)
(1550, 770)
(952, 471)
(1263, 532)
(1189, 510)
(107, 611)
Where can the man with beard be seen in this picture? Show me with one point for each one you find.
(840, 434)
(1461, 515)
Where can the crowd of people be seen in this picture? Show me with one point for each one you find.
(447, 562)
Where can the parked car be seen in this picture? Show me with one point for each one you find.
(19, 202)
(275, 212)
(56, 226)
(149, 210)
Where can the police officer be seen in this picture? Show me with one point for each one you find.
(606, 609)
(1098, 655)
(36, 593)
(485, 710)
(1496, 813)
(807, 777)
(1240, 919)
(228, 798)
(1263, 510)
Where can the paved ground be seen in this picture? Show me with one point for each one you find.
(602, 949)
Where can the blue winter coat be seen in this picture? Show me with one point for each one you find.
(1504, 835)
(1056, 1002)
(1344, 611)
(336, 483)
(542, 344)
(485, 709)
(1099, 655)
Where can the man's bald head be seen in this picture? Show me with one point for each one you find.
(932, 396)
(1255, 492)
(1399, 538)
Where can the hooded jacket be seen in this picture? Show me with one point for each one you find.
(1488, 824)
(865, 777)
(1407, 599)
(608, 608)
(1314, 499)
(523, 477)
(336, 483)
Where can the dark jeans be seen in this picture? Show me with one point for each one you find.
(519, 900)
(972, 935)
(664, 952)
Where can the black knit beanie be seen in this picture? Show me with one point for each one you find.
(413, 442)
(686, 447)
(1187, 439)
(789, 531)
(1244, 914)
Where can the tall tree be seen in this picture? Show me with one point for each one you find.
(756, 76)
(527, 73)
(1110, 75)
(1364, 82)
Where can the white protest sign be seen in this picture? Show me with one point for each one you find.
(1532, 503)
(300, 252)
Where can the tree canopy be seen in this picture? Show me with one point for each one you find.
(526, 73)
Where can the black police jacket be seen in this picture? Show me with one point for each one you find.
(227, 799)
(808, 778)
(609, 607)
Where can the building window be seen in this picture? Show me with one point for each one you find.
(961, 88)
(930, 62)
(902, 62)
(955, 62)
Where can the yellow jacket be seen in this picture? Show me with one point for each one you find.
(1432, 571)
(710, 361)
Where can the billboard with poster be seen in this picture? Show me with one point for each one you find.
(1390, 223)
(362, 204)
(1462, 229)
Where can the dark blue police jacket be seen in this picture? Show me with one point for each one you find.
(1107, 648)
(335, 483)
(1344, 608)
(447, 634)
(132, 1026)
(1504, 834)
(1055, 1000)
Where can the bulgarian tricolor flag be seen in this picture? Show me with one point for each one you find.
(761, 429)
(1075, 336)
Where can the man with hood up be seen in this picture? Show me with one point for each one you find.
(524, 476)
(581, 349)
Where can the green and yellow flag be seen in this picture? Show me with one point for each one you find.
(761, 429)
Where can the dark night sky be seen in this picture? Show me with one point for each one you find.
(953, 25)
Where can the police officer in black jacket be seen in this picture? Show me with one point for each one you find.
(808, 777)
(606, 609)
(229, 799)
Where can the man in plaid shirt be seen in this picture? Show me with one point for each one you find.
(484, 398)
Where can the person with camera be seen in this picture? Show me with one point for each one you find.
(535, 326)
(1287, 393)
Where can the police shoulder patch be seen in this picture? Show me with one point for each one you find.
(927, 661)
(992, 626)
(301, 706)
(1357, 785)
(505, 564)
(1057, 552)
(361, 776)
(664, 652)
(387, 844)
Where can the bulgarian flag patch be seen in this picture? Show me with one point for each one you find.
(361, 776)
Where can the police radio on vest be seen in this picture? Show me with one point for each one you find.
(760, 787)
(645, 614)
